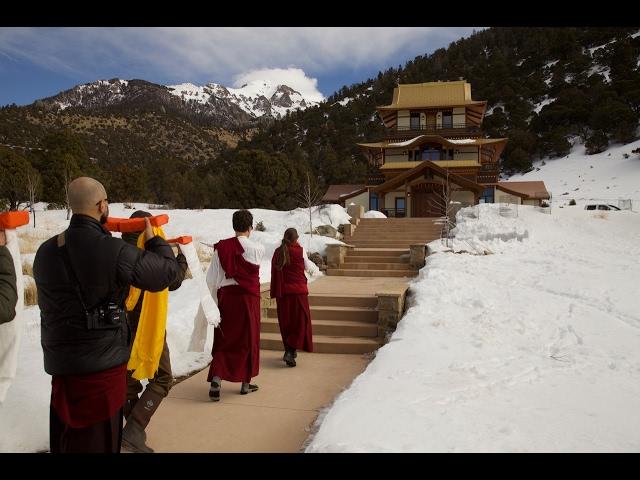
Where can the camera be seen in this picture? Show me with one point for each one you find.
(108, 316)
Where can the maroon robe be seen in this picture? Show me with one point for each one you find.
(85, 415)
(289, 288)
(236, 345)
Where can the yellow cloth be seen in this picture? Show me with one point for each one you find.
(149, 342)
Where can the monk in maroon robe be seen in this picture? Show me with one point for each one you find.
(289, 288)
(234, 275)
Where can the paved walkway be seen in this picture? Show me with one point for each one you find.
(280, 415)
(276, 418)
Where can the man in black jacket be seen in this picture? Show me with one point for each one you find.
(83, 276)
(138, 411)
(8, 289)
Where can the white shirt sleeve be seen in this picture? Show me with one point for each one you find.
(253, 251)
(215, 275)
(310, 267)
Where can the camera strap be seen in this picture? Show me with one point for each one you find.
(67, 264)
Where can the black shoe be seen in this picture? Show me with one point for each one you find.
(248, 388)
(289, 358)
(214, 392)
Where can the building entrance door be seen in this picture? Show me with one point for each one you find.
(426, 202)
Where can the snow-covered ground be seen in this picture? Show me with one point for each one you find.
(605, 177)
(24, 416)
(534, 347)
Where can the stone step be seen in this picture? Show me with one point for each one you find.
(404, 245)
(389, 240)
(377, 252)
(337, 328)
(408, 228)
(356, 314)
(349, 272)
(405, 241)
(374, 236)
(395, 230)
(376, 259)
(414, 220)
(362, 265)
(325, 344)
(362, 301)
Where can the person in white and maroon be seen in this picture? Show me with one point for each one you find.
(289, 288)
(234, 279)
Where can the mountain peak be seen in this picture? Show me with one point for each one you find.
(258, 98)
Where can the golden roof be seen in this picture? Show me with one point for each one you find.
(432, 94)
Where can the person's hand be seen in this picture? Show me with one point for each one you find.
(3, 238)
(148, 230)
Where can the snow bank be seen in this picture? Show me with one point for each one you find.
(534, 348)
(374, 214)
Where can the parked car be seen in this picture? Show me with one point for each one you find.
(600, 206)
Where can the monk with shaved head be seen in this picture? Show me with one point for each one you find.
(83, 277)
(85, 194)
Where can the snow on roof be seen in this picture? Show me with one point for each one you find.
(461, 141)
(405, 143)
(336, 192)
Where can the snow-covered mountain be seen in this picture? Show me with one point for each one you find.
(228, 107)
(257, 98)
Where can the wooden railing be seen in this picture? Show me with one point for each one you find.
(375, 179)
(453, 129)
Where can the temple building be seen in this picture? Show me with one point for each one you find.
(433, 150)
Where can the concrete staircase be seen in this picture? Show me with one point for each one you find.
(341, 324)
(382, 247)
(344, 305)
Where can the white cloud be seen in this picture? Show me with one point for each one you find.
(200, 55)
(292, 77)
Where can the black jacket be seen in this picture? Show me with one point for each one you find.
(134, 315)
(105, 267)
(8, 290)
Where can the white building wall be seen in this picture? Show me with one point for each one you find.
(362, 199)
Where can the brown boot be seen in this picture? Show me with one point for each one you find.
(133, 434)
(128, 406)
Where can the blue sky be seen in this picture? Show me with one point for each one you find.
(40, 62)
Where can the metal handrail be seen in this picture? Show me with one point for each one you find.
(394, 212)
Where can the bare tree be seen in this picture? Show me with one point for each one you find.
(444, 204)
(67, 181)
(308, 198)
(34, 181)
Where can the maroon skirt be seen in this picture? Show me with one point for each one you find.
(294, 318)
(236, 341)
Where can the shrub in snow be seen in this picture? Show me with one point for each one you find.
(260, 226)
(597, 142)
(572, 202)
(316, 258)
(326, 231)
